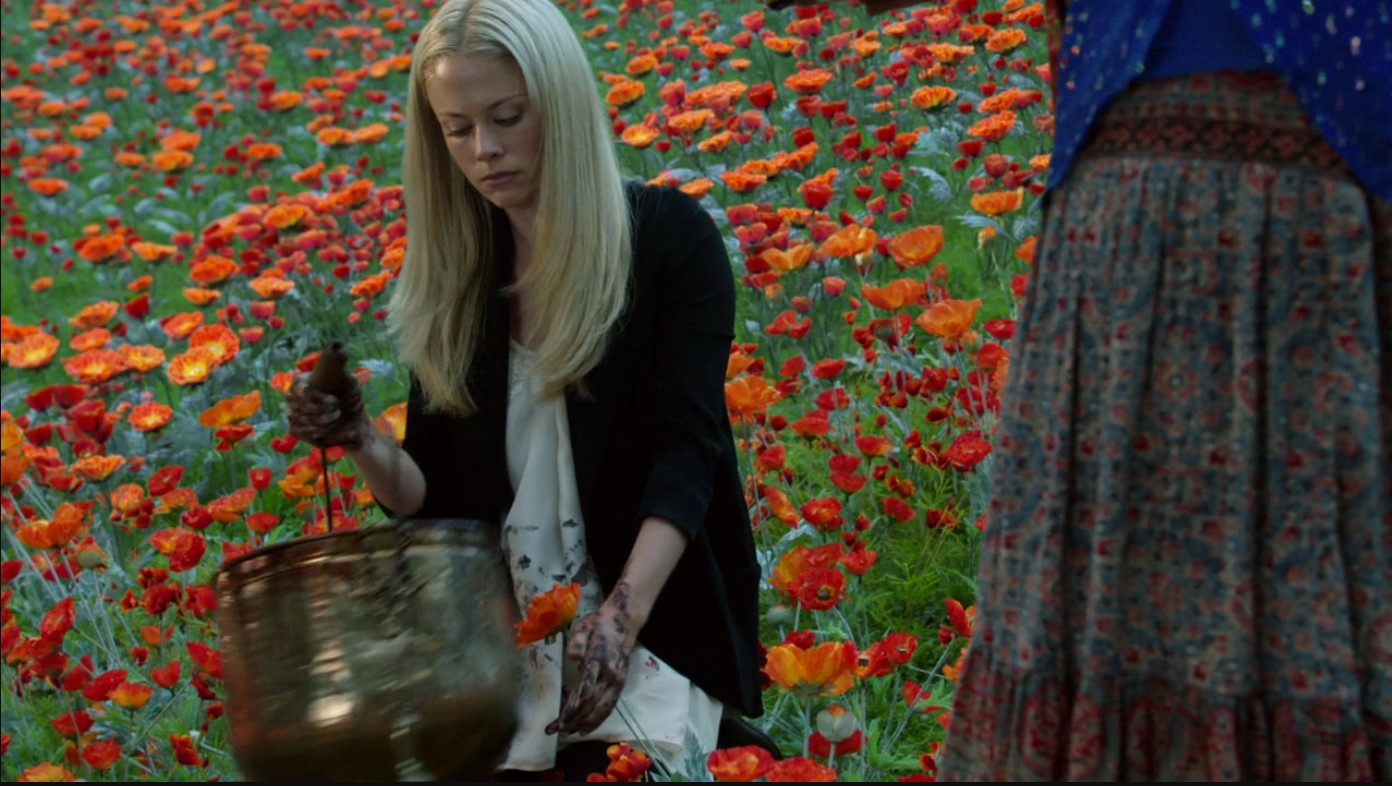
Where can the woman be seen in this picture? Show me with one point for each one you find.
(1188, 562)
(567, 337)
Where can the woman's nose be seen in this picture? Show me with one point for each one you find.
(487, 145)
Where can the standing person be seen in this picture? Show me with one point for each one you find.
(1188, 565)
(1187, 572)
(567, 336)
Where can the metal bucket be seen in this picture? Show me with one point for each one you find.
(384, 654)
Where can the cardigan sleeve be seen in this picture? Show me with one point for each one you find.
(696, 307)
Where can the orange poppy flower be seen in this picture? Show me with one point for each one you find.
(95, 314)
(171, 160)
(625, 92)
(738, 364)
(691, 121)
(808, 82)
(308, 174)
(1025, 253)
(12, 468)
(142, 357)
(212, 270)
(719, 96)
(179, 139)
(716, 143)
(867, 44)
(35, 350)
(744, 764)
(152, 252)
(392, 421)
(639, 135)
(698, 187)
(1001, 101)
(101, 247)
(97, 467)
(916, 246)
(271, 286)
(950, 319)
(995, 127)
(283, 216)
(792, 259)
(372, 286)
(193, 367)
(641, 65)
(995, 203)
(11, 435)
(932, 97)
(65, 526)
(748, 396)
(547, 613)
(200, 296)
(742, 182)
(786, 45)
(281, 100)
(231, 410)
(779, 505)
(183, 547)
(95, 365)
(150, 415)
(827, 669)
(220, 339)
(333, 135)
(800, 559)
(230, 507)
(849, 241)
(127, 498)
(951, 53)
(48, 186)
(369, 134)
(131, 695)
(128, 159)
(799, 159)
(894, 295)
(45, 771)
(1006, 40)
(182, 324)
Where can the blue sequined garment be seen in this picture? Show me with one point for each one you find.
(1336, 55)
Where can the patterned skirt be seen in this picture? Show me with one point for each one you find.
(1188, 563)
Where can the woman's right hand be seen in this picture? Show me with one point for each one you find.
(326, 420)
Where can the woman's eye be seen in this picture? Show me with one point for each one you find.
(458, 132)
(510, 120)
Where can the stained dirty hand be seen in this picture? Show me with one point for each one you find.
(602, 642)
(325, 420)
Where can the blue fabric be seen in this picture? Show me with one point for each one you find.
(1336, 55)
(1202, 35)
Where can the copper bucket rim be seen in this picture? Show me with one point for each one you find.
(309, 541)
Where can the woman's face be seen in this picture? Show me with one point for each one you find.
(492, 131)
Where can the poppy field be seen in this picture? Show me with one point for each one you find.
(197, 197)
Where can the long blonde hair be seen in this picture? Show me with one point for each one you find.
(576, 282)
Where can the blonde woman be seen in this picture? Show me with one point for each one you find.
(567, 336)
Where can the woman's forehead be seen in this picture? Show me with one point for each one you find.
(466, 84)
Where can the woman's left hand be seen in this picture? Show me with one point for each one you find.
(602, 642)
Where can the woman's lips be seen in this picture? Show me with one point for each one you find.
(499, 178)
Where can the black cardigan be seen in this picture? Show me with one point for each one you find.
(652, 438)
